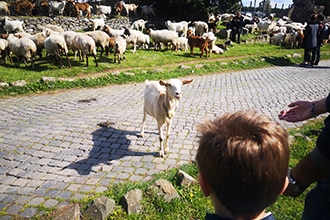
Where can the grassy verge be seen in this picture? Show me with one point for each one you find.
(192, 204)
(145, 64)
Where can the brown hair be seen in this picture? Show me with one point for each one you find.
(244, 157)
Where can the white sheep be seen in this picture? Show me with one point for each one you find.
(38, 39)
(139, 25)
(216, 50)
(164, 36)
(101, 40)
(68, 37)
(211, 37)
(4, 7)
(180, 27)
(136, 38)
(13, 25)
(146, 41)
(103, 10)
(120, 46)
(52, 27)
(129, 7)
(4, 49)
(160, 101)
(277, 39)
(55, 45)
(98, 23)
(265, 26)
(85, 45)
(183, 43)
(21, 47)
(112, 32)
(201, 27)
(55, 6)
(252, 27)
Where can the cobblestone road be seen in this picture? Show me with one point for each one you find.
(52, 148)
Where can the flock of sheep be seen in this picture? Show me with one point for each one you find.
(57, 42)
(183, 35)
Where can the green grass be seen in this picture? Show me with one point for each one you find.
(142, 65)
(192, 204)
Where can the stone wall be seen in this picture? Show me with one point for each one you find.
(32, 24)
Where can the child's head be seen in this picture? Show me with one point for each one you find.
(243, 161)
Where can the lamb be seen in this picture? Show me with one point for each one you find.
(198, 41)
(211, 37)
(201, 27)
(4, 49)
(55, 45)
(160, 101)
(98, 23)
(129, 7)
(120, 46)
(103, 10)
(164, 36)
(101, 40)
(139, 25)
(4, 7)
(180, 27)
(85, 45)
(216, 49)
(13, 25)
(183, 43)
(21, 47)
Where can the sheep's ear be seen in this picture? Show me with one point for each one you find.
(187, 81)
(162, 83)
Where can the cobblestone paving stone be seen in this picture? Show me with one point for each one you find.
(52, 148)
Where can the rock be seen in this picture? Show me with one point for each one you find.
(131, 201)
(100, 208)
(68, 212)
(4, 84)
(184, 179)
(19, 83)
(165, 189)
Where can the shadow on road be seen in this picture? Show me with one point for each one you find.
(109, 144)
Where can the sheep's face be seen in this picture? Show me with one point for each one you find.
(173, 87)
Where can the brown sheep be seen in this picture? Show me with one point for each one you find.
(24, 6)
(196, 41)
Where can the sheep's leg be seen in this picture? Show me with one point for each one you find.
(161, 141)
(168, 131)
(143, 124)
(134, 47)
(67, 58)
(86, 60)
(75, 54)
(95, 60)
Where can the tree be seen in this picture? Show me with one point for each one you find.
(195, 9)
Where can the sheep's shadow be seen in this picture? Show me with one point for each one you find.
(109, 144)
(278, 61)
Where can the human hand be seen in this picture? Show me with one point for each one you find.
(298, 111)
(291, 192)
